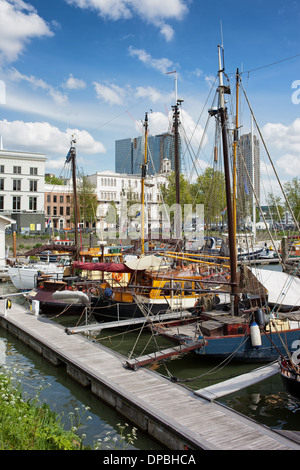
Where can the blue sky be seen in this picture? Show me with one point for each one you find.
(95, 67)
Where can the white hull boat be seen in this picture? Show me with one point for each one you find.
(24, 276)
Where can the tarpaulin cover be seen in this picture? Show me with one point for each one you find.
(108, 267)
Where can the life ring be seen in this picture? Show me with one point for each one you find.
(162, 245)
(117, 276)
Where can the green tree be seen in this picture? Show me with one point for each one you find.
(276, 207)
(292, 190)
(51, 179)
(209, 190)
(87, 200)
(169, 191)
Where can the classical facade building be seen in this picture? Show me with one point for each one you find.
(22, 180)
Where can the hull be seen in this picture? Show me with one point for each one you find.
(240, 348)
(290, 379)
(107, 310)
(24, 277)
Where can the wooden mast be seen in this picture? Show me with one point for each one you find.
(235, 144)
(72, 157)
(144, 174)
(177, 225)
(231, 233)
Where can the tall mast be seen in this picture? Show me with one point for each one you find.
(235, 144)
(231, 234)
(177, 170)
(72, 157)
(144, 174)
(253, 183)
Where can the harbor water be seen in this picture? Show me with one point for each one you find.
(266, 402)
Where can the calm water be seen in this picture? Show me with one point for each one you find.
(266, 402)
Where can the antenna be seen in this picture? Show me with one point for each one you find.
(174, 71)
(222, 43)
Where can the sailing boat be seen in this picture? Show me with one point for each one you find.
(250, 331)
(156, 287)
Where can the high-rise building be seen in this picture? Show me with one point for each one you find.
(129, 154)
(245, 178)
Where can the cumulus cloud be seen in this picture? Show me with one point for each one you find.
(19, 23)
(285, 142)
(59, 97)
(110, 93)
(155, 12)
(162, 65)
(42, 137)
(73, 83)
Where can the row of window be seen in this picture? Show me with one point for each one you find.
(53, 210)
(33, 186)
(16, 203)
(61, 198)
(17, 170)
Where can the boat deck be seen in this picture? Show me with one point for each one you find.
(175, 416)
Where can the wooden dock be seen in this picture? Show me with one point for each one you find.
(169, 413)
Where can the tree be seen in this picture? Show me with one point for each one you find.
(276, 208)
(169, 191)
(209, 190)
(87, 201)
(292, 190)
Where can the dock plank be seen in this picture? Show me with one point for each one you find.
(185, 418)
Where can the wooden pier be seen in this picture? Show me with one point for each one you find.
(169, 413)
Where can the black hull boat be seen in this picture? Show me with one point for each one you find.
(290, 375)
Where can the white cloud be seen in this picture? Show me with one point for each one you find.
(155, 12)
(151, 93)
(42, 137)
(35, 82)
(19, 23)
(284, 141)
(73, 83)
(110, 93)
(162, 65)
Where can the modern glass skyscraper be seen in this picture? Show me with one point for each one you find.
(129, 154)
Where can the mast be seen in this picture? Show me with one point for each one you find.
(144, 174)
(177, 169)
(235, 143)
(231, 233)
(72, 157)
(253, 183)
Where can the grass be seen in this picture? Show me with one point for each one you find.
(27, 424)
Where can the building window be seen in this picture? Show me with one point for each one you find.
(2, 169)
(54, 198)
(16, 185)
(17, 170)
(16, 203)
(1, 203)
(61, 211)
(33, 171)
(68, 210)
(48, 198)
(33, 186)
(54, 210)
(48, 210)
(2, 184)
(68, 199)
(61, 199)
(33, 203)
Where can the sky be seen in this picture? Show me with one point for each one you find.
(94, 68)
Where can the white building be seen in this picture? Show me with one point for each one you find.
(22, 179)
(119, 190)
